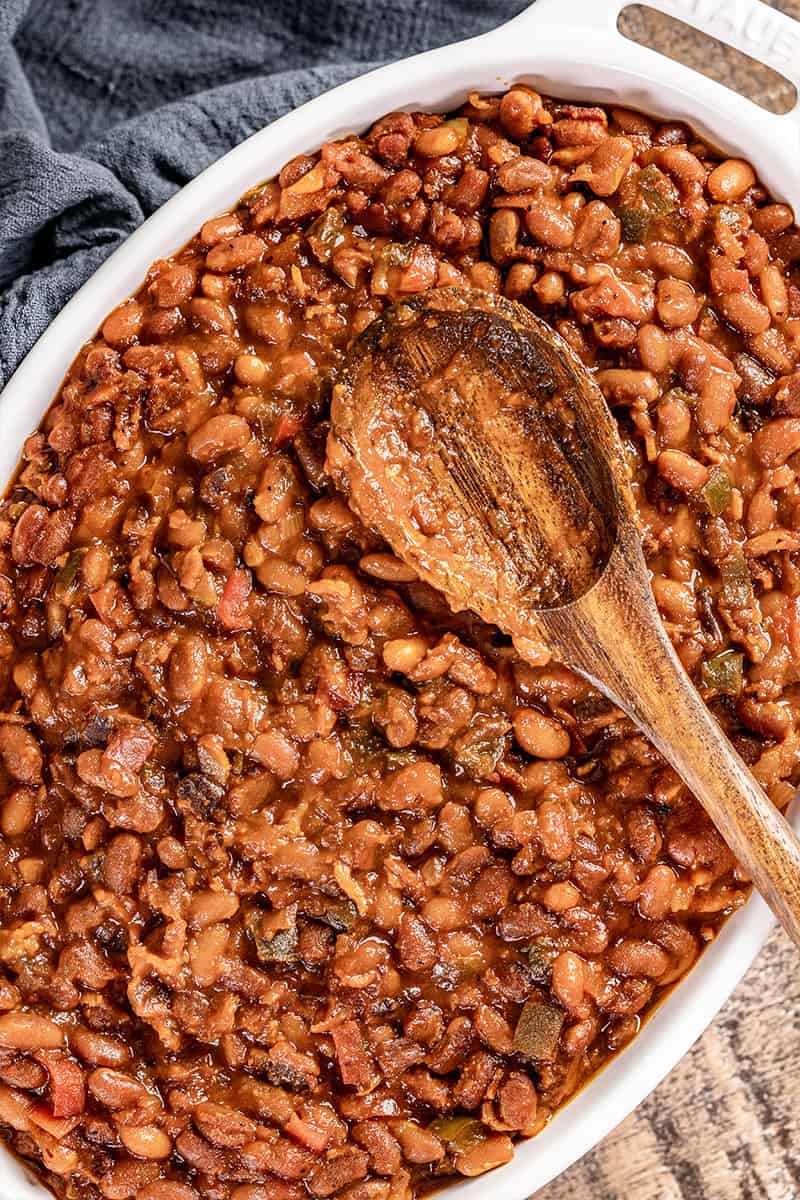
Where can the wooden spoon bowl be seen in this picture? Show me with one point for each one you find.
(468, 434)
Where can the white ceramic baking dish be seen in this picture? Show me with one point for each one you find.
(571, 49)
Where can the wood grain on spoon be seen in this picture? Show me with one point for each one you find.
(469, 436)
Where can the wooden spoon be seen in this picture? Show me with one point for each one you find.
(468, 434)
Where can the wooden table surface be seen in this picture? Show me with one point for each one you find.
(725, 1125)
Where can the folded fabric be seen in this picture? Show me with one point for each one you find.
(107, 108)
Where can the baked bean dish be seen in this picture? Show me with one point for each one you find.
(309, 886)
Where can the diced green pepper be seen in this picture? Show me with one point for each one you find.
(479, 750)
(325, 234)
(66, 576)
(717, 491)
(341, 915)
(393, 254)
(724, 673)
(737, 587)
(635, 223)
(540, 957)
(392, 759)
(281, 946)
(658, 198)
(538, 1030)
(396, 254)
(459, 125)
(458, 1133)
(679, 393)
(658, 191)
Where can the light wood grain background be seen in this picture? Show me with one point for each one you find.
(725, 1125)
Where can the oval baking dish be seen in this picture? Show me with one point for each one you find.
(567, 48)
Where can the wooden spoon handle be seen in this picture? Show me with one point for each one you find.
(614, 637)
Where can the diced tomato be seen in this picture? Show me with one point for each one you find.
(232, 608)
(355, 1065)
(67, 1089)
(307, 1135)
(130, 746)
(112, 605)
(15, 1108)
(57, 1127)
(285, 429)
(725, 277)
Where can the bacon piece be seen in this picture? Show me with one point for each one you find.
(355, 1065)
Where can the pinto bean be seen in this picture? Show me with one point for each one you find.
(681, 470)
(485, 1156)
(146, 1141)
(569, 980)
(550, 225)
(18, 812)
(777, 441)
(237, 252)
(744, 311)
(188, 668)
(99, 1049)
(523, 174)
(772, 219)
(597, 231)
(28, 1031)
(417, 787)
(554, 831)
(675, 600)
(122, 863)
(550, 288)
(674, 420)
(654, 349)
(605, 168)
(115, 1089)
(560, 896)
(622, 386)
(774, 292)
(676, 303)
(219, 435)
(672, 260)
(633, 956)
(174, 286)
(730, 180)
(166, 1189)
(211, 315)
(433, 143)
(716, 404)
(404, 654)
(540, 735)
(218, 229)
(123, 326)
(418, 1145)
(519, 110)
(504, 230)
(655, 896)
(40, 536)
(250, 370)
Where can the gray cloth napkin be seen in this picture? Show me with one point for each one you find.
(107, 107)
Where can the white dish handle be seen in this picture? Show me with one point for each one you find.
(755, 28)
